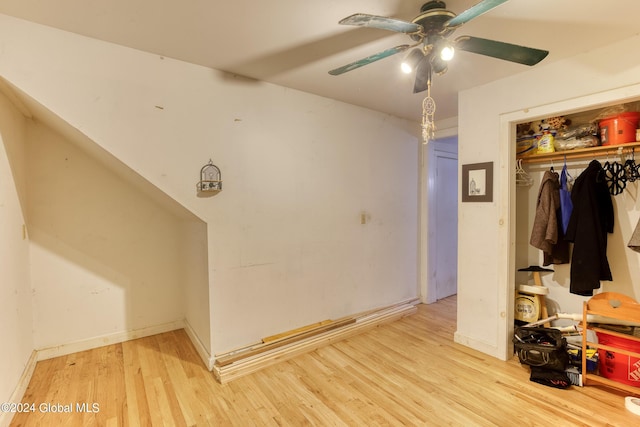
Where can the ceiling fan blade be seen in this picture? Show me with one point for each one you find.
(501, 50)
(423, 75)
(381, 22)
(473, 12)
(369, 59)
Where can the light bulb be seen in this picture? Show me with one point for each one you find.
(411, 61)
(447, 52)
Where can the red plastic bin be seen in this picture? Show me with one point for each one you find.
(619, 367)
(619, 129)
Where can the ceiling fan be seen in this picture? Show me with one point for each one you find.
(431, 48)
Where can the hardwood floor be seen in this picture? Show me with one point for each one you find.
(409, 372)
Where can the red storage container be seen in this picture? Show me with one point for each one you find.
(619, 129)
(619, 367)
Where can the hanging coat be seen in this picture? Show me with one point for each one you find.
(591, 220)
(547, 234)
(565, 199)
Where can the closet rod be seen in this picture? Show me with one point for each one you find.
(582, 153)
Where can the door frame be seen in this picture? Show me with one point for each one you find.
(506, 258)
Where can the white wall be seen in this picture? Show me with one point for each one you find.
(284, 240)
(487, 230)
(195, 283)
(16, 332)
(285, 235)
(104, 258)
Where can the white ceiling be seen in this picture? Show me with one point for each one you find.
(293, 43)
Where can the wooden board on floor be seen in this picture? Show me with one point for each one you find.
(307, 328)
(242, 366)
(227, 360)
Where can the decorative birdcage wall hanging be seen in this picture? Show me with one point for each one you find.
(210, 180)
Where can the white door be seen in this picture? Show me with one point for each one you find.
(446, 225)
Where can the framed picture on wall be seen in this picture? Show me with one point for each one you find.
(477, 182)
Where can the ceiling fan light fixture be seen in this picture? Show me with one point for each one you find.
(438, 65)
(447, 52)
(411, 61)
(430, 30)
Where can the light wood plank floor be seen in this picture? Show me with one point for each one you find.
(409, 373)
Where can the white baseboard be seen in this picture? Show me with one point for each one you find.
(100, 341)
(21, 388)
(484, 347)
(255, 362)
(200, 347)
(95, 342)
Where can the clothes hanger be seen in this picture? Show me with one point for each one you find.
(567, 175)
(523, 179)
(615, 177)
(632, 171)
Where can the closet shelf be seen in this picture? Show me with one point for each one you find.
(581, 153)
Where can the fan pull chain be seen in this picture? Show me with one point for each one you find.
(428, 112)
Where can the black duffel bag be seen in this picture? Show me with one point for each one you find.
(541, 347)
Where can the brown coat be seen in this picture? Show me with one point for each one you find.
(546, 234)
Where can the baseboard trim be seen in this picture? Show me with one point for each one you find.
(21, 388)
(200, 347)
(100, 341)
(482, 346)
(255, 362)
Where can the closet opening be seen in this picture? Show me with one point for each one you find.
(527, 170)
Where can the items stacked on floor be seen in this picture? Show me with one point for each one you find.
(609, 353)
(544, 350)
(530, 304)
